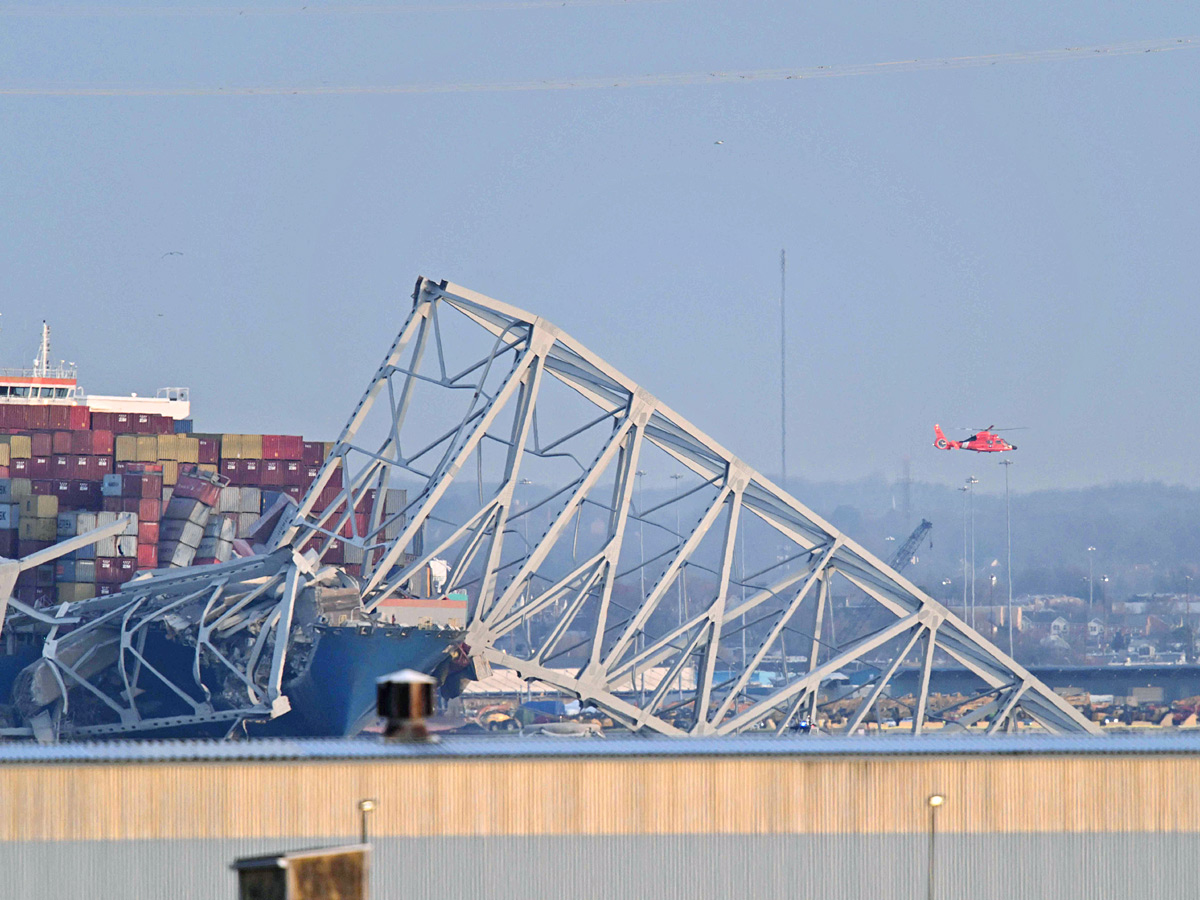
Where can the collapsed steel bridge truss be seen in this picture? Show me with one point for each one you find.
(706, 604)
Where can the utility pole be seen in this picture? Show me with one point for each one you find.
(641, 637)
(783, 369)
(1091, 593)
(1008, 529)
(971, 482)
(965, 488)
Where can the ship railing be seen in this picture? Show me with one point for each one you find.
(48, 372)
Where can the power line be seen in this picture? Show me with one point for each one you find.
(366, 9)
(625, 81)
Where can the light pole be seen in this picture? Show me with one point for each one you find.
(1008, 530)
(679, 574)
(965, 489)
(365, 808)
(641, 638)
(1091, 594)
(935, 802)
(971, 482)
(1188, 601)
(525, 482)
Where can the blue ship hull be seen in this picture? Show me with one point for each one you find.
(335, 695)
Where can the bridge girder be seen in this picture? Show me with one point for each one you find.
(498, 421)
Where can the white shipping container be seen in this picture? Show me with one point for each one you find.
(132, 528)
(230, 500)
(85, 522)
(354, 554)
(215, 548)
(10, 516)
(251, 501)
(175, 555)
(188, 509)
(245, 523)
(105, 518)
(180, 531)
(85, 571)
(107, 547)
(127, 545)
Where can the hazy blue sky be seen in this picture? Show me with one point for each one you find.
(1012, 244)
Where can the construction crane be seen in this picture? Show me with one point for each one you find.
(904, 555)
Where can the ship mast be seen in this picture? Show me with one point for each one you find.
(41, 364)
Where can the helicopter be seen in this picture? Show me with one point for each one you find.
(985, 440)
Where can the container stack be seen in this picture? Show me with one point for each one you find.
(105, 464)
(186, 517)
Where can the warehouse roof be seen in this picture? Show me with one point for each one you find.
(491, 747)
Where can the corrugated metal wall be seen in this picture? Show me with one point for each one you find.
(1012, 827)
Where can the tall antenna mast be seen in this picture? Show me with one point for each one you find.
(783, 368)
(41, 365)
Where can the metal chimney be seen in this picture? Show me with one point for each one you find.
(403, 699)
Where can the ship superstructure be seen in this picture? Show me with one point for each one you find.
(46, 383)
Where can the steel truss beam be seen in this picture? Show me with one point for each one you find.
(540, 608)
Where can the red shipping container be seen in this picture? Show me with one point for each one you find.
(103, 465)
(62, 490)
(103, 442)
(4, 472)
(147, 532)
(166, 425)
(293, 447)
(62, 466)
(127, 566)
(81, 467)
(121, 423)
(43, 443)
(294, 491)
(88, 493)
(20, 468)
(312, 453)
(270, 446)
(149, 510)
(37, 417)
(210, 452)
(231, 470)
(195, 488)
(147, 556)
(113, 504)
(43, 486)
(293, 473)
(107, 570)
(103, 590)
(272, 472)
(15, 416)
(59, 416)
(79, 417)
(249, 472)
(102, 420)
(39, 467)
(60, 443)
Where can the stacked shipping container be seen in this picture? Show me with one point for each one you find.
(74, 470)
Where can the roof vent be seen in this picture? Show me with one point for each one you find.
(403, 699)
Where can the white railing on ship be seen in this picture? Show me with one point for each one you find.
(49, 372)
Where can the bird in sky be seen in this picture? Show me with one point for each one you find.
(718, 142)
(171, 253)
